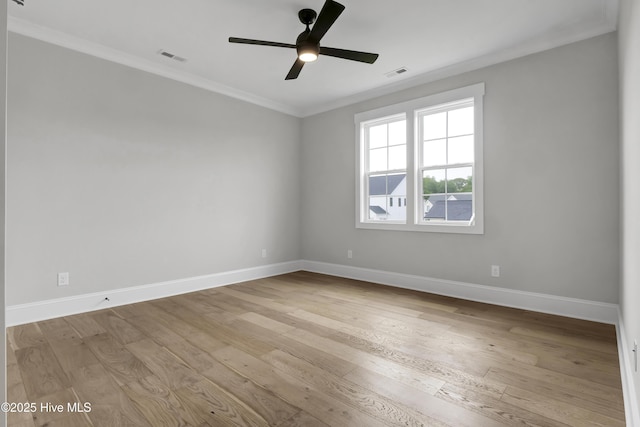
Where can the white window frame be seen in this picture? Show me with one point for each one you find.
(411, 110)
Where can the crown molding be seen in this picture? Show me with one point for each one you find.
(38, 32)
(608, 23)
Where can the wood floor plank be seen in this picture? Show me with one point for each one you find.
(41, 372)
(266, 322)
(167, 367)
(110, 406)
(93, 383)
(301, 419)
(72, 353)
(312, 401)
(322, 359)
(425, 403)
(16, 391)
(56, 411)
(216, 329)
(383, 366)
(118, 327)
(435, 347)
(211, 404)
(157, 403)
(266, 404)
(561, 336)
(189, 332)
(120, 363)
(85, 325)
(22, 423)
(265, 302)
(199, 304)
(613, 409)
(559, 411)
(57, 329)
(495, 409)
(23, 336)
(583, 384)
(305, 349)
(349, 392)
(193, 356)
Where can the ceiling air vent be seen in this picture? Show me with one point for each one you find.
(396, 72)
(171, 55)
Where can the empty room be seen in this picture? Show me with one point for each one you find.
(320, 213)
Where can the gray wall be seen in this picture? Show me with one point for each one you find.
(123, 178)
(629, 34)
(551, 163)
(3, 140)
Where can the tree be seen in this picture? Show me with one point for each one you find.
(430, 185)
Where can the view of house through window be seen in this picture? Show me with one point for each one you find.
(420, 164)
(387, 167)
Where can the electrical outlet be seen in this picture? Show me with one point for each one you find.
(264, 253)
(63, 279)
(495, 271)
(349, 254)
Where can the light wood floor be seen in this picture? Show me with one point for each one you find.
(310, 350)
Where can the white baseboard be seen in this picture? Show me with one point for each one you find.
(562, 306)
(570, 307)
(632, 412)
(48, 309)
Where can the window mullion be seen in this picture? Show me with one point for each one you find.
(410, 135)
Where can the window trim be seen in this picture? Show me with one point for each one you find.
(411, 110)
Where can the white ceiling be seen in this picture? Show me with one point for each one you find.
(431, 38)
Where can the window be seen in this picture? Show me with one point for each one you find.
(386, 165)
(427, 152)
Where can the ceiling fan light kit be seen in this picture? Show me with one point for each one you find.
(308, 42)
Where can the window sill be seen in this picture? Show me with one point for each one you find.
(465, 228)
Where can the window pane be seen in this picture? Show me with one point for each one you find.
(450, 202)
(434, 198)
(461, 121)
(382, 190)
(460, 149)
(433, 181)
(378, 136)
(397, 157)
(398, 133)
(378, 159)
(434, 152)
(434, 126)
(378, 208)
(459, 180)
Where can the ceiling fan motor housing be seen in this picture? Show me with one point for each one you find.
(307, 16)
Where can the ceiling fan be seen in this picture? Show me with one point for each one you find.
(308, 42)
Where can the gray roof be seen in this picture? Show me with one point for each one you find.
(434, 198)
(382, 185)
(377, 210)
(457, 210)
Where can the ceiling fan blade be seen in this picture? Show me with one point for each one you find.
(352, 55)
(260, 42)
(295, 70)
(327, 16)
